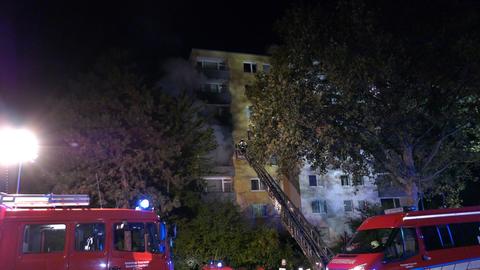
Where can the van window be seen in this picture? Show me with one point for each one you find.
(445, 236)
(154, 239)
(43, 238)
(90, 237)
(431, 238)
(129, 237)
(402, 245)
(466, 234)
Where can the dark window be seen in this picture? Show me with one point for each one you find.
(345, 180)
(431, 238)
(348, 205)
(259, 210)
(316, 207)
(390, 203)
(358, 180)
(319, 206)
(312, 180)
(466, 234)
(445, 236)
(90, 237)
(129, 237)
(249, 67)
(403, 244)
(43, 238)
(256, 184)
(153, 244)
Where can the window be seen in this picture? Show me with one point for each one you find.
(312, 180)
(403, 244)
(266, 68)
(43, 238)
(221, 184)
(214, 88)
(348, 205)
(358, 180)
(465, 234)
(249, 67)
(431, 238)
(153, 244)
(259, 210)
(319, 206)
(389, 203)
(256, 185)
(211, 64)
(129, 237)
(345, 180)
(445, 236)
(90, 237)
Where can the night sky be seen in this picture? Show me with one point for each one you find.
(42, 43)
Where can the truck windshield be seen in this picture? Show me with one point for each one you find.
(369, 241)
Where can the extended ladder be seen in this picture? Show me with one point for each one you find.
(43, 200)
(307, 236)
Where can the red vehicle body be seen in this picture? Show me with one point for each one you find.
(81, 239)
(432, 239)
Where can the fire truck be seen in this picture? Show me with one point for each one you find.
(432, 239)
(60, 232)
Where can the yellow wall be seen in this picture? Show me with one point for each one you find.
(237, 82)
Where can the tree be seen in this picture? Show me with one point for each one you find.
(356, 87)
(219, 231)
(120, 140)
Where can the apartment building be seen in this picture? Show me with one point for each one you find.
(328, 200)
(226, 76)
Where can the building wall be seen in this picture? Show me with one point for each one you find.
(333, 222)
(237, 80)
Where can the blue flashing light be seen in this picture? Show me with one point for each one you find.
(144, 203)
(219, 264)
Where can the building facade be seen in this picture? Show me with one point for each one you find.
(327, 200)
(226, 76)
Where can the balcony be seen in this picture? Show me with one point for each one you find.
(215, 98)
(214, 73)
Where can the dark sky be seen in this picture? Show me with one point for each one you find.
(44, 42)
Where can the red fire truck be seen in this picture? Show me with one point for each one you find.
(53, 232)
(432, 239)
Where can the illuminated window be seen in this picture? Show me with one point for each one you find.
(211, 64)
(90, 237)
(129, 237)
(249, 67)
(43, 238)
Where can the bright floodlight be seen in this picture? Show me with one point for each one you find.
(17, 146)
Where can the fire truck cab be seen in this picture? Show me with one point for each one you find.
(433, 239)
(58, 232)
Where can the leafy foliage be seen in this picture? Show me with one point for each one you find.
(356, 87)
(219, 231)
(119, 139)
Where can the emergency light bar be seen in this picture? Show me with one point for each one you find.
(43, 200)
